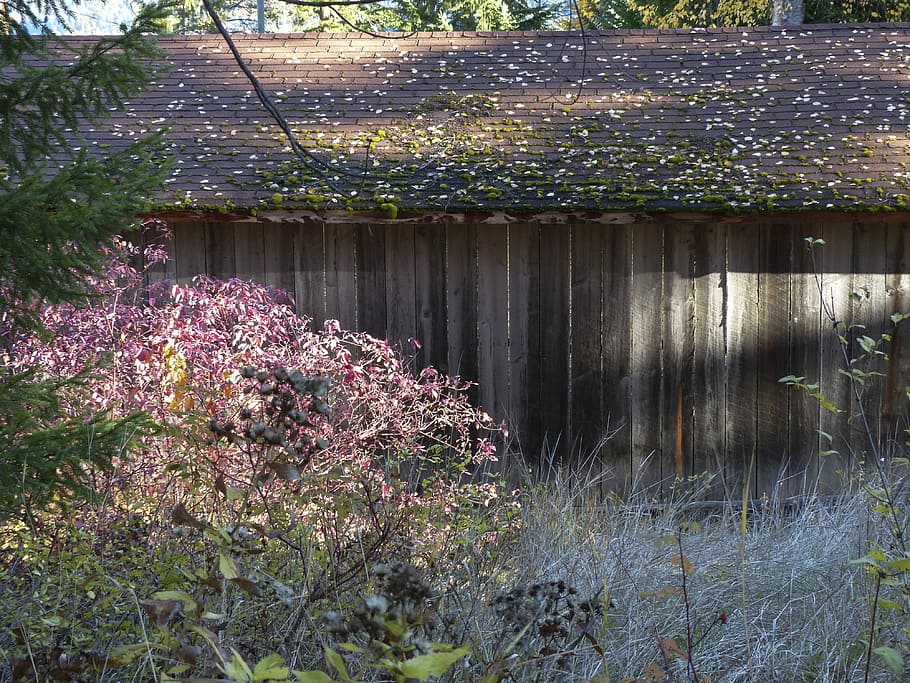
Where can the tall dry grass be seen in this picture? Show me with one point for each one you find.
(772, 596)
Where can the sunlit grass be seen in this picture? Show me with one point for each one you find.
(781, 603)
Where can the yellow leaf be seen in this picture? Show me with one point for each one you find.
(683, 562)
(227, 567)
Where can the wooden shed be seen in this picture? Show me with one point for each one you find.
(607, 231)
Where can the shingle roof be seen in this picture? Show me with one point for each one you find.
(815, 116)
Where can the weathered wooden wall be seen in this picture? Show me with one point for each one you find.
(670, 334)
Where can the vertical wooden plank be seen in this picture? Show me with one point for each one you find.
(896, 407)
(678, 309)
(492, 319)
(616, 365)
(160, 235)
(278, 255)
(523, 309)
(189, 250)
(430, 264)
(219, 250)
(309, 273)
(709, 383)
(837, 287)
(587, 418)
(647, 336)
(400, 285)
(170, 265)
(804, 361)
(741, 359)
(371, 285)
(340, 285)
(461, 301)
(774, 476)
(553, 335)
(249, 251)
(870, 252)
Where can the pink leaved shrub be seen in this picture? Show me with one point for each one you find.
(381, 442)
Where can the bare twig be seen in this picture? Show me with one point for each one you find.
(690, 644)
(319, 167)
(878, 586)
(340, 3)
(347, 22)
(888, 494)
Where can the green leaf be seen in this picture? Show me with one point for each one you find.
(233, 493)
(791, 379)
(350, 647)
(872, 557)
(237, 669)
(126, 654)
(270, 668)
(901, 564)
(227, 567)
(189, 604)
(868, 343)
(312, 677)
(423, 667)
(395, 628)
(892, 657)
(827, 405)
(889, 604)
(334, 660)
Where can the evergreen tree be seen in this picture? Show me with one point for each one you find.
(189, 16)
(59, 209)
(394, 15)
(472, 15)
(604, 14)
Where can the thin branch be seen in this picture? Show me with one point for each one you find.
(347, 22)
(878, 587)
(312, 162)
(690, 645)
(584, 52)
(828, 310)
(319, 3)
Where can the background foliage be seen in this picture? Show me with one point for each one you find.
(289, 463)
(59, 207)
(483, 15)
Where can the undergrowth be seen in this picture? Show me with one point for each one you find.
(309, 510)
(576, 594)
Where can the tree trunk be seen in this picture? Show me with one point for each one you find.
(787, 12)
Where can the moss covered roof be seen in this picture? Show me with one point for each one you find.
(728, 119)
